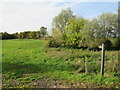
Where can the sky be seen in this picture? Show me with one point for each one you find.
(18, 16)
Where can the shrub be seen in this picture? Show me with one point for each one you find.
(55, 42)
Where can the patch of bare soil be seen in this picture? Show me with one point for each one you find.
(60, 84)
(0, 81)
(48, 84)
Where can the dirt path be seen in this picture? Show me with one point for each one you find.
(0, 81)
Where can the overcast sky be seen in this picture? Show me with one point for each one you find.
(17, 16)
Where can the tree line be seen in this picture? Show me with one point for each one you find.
(26, 34)
(77, 32)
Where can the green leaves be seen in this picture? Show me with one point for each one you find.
(73, 30)
(80, 33)
(60, 21)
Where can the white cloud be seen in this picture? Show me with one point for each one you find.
(24, 16)
(0, 16)
(19, 17)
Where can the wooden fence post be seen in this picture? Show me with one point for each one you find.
(102, 59)
(86, 65)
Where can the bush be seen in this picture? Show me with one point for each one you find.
(55, 42)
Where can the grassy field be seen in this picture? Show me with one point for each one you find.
(30, 63)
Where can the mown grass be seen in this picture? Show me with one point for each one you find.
(29, 63)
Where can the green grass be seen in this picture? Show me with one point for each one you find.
(29, 63)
